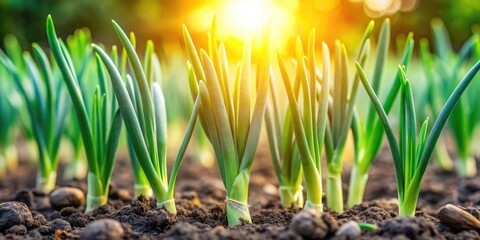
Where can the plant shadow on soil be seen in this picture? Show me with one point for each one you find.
(200, 200)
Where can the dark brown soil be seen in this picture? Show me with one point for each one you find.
(200, 198)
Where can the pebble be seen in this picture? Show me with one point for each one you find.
(457, 218)
(14, 213)
(103, 229)
(310, 224)
(66, 197)
(270, 189)
(349, 230)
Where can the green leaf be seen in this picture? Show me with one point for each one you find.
(111, 147)
(75, 94)
(230, 157)
(243, 113)
(147, 102)
(161, 126)
(183, 147)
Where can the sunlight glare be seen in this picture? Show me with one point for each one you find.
(241, 18)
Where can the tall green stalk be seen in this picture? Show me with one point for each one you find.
(78, 46)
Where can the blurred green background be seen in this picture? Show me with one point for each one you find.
(161, 20)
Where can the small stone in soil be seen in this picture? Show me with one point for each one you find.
(103, 229)
(66, 197)
(14, 213)
(17, 230)
(457, 218)
(349, 230)
(311, 224)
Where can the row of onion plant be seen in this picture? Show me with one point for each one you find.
(9, 109)
(47, 105)
(441, 79)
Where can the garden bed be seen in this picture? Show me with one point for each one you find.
(200, 200)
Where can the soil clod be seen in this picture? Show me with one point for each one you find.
(409, 228)
(60, 224)
(14, 213)
(17, 230)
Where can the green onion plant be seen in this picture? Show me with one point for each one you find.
(367, 129)
(442, 71)
(231, 125)
(432, 103)
(100, 127)
(341, 111)
(141, 185)
(14, 51)
(411, 153)
(309, 116)
(142, 105)
(9, 109)
(326, 116)
(47, 107)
